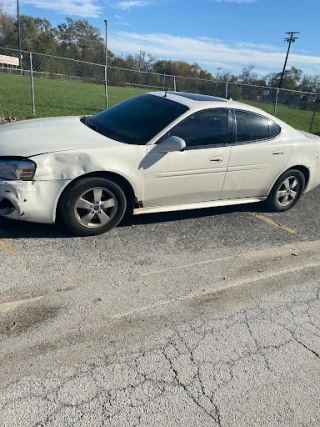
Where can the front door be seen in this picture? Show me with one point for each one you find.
(195, 174)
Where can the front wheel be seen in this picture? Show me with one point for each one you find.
(286, 191)
(92, 206)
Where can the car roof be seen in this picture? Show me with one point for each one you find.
(199, 97)
(198, 101)
(190, 99)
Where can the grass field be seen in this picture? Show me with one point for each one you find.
(60, 98)
(299, 119)
(56, 97)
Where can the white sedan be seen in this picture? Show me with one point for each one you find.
(157, 152)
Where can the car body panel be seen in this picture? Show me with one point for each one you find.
(124, 160)
(34, 201)
(253, 166)
(187, 176)
(52, 135)
(307, 155)
(198, 205)
(314, 179)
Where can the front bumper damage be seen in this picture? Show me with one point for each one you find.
(34, 201)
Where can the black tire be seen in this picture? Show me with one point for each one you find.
(286, 191)
(83, 215)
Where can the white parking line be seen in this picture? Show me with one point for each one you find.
(219, 286)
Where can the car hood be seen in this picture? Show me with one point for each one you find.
(31, 137)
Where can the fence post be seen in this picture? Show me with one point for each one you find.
(106, 85)
(174, 84)
(316, 101)
(276, 103)
(32, 85)
(227, 85)
(164, 80)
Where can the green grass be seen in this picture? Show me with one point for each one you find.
(63, 98)
(56, 97)
(299, 119)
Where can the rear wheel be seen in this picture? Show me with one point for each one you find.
(286, 191)
(92, 206)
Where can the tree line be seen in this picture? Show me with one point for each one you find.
(78, 39)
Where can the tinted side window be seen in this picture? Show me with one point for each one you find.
(209, 127)
(251, 127)
(274, 129)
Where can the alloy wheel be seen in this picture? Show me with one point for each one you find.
(288, 191)
(95, 207)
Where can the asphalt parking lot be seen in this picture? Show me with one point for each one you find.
(199, 318)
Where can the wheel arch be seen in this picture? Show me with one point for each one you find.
(112, 176)
(301, 168)
(306, 173)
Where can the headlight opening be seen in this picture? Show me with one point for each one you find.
(17, 169)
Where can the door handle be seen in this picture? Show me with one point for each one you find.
(277, 153)
(216, 159)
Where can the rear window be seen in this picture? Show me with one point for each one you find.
(252, 127)
(274, 129)
(136, 120)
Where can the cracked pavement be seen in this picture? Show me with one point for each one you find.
(197, 319)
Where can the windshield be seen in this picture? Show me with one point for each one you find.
(136, 120)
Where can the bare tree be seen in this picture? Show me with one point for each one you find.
(248, 75)
(144, 61)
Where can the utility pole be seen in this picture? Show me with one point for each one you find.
(218, 73)
(106, 66)
(289, 40)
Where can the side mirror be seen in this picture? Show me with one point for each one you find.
(173, 143)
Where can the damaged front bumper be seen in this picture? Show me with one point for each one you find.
(34, 201)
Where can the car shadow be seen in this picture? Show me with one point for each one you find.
(11, 229)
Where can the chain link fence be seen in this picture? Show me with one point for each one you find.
(43, 85)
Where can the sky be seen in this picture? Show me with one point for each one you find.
(226, 34)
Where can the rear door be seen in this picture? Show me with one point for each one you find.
(259, 153)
